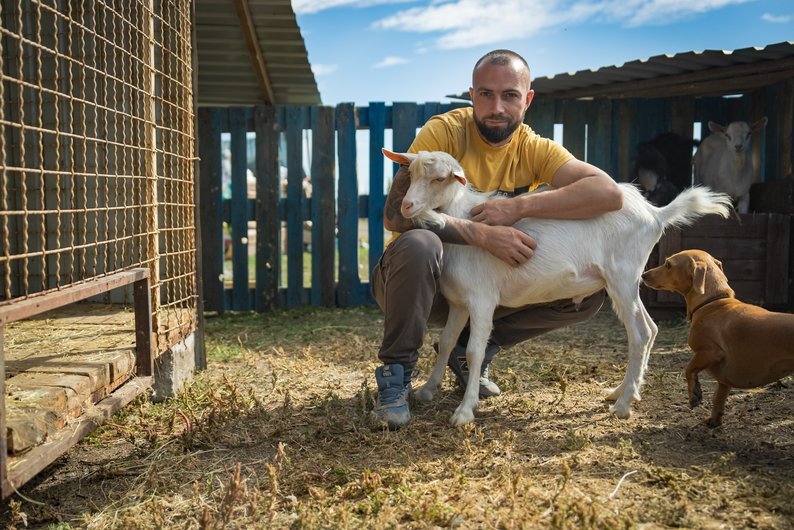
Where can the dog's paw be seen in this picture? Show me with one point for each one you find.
(696, 398)
(713, 422)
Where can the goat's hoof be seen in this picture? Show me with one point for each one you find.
(462, 417)
(424, 394)
(621, 411)
(712, 422)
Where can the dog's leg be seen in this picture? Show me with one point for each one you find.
(718, 407)
(699, 362)
(456, 321)
(480, 324)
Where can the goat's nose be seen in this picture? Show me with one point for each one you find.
(407, 205)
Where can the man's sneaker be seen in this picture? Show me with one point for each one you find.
(460, 367)
(391, 407)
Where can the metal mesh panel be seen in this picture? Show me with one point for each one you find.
(96, 149)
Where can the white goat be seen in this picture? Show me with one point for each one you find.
(573, 259)
(724, 161)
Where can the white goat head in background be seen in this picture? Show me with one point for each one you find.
(738, 133)
(724, 162)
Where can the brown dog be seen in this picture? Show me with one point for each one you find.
(740, 345)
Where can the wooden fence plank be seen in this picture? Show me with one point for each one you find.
(209, 124)
(599, 136)
(785, 137)
(323, 214)
(268, 225)
(540, 117)
(670, 243)
(404, 116)
(377, 113)
(349, 289)
(623, 114)
(239, 210)
(572, 117)
(294, 205)
(777, 259)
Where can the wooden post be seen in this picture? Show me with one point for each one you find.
(322, 201)
(268, 223)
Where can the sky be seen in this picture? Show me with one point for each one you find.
(364, 51)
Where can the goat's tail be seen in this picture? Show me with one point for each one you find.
(692, 204)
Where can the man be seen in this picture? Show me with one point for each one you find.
(498, 152)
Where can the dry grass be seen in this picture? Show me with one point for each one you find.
(276, 434)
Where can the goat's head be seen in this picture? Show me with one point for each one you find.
(738, 133)
(434, 179)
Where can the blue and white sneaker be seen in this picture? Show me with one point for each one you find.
(391, 407)
(457, 362)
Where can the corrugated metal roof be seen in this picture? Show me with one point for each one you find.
(229, 63)
(706, 73)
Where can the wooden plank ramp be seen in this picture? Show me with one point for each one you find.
(61, 364)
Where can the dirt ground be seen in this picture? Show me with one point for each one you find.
(276, 434)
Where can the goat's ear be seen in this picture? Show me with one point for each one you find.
(760, 124)
(699, 278)
(459, 176)
(404, 159)
(716, 127)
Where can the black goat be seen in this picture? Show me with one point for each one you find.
(663, 167)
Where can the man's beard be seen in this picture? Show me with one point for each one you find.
(496, 135)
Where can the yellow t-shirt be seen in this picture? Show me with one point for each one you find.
(521, 165)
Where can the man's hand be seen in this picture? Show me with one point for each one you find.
(502, 212)
(509, 244)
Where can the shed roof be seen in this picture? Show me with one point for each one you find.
(252, 51)
(706, 73)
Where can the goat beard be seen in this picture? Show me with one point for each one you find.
(496, 135)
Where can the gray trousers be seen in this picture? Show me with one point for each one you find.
(405, 285)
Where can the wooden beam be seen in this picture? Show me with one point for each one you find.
(715, 81)
(257, 58)
(20, 309)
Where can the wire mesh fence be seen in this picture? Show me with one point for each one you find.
(97, 150)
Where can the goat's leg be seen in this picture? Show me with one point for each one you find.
(640, 335)
(654, 332)
(456, 321)
(480, 324)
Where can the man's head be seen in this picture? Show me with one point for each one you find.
(500, 93)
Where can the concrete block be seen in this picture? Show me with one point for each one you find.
(173, 368)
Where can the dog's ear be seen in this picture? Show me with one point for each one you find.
(699, 278)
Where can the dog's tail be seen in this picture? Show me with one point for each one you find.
(692, 204)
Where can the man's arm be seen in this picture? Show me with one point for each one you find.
(508, 244)
(579, 191)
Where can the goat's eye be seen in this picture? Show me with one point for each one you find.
(439, 179)
(667, 265)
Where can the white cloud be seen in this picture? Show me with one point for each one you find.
(323, 69)
(469, 23)
(390, 61)
(776, 19)
(305, 7)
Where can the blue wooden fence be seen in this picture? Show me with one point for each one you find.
(604, 132)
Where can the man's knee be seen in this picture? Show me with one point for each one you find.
(419, 244)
